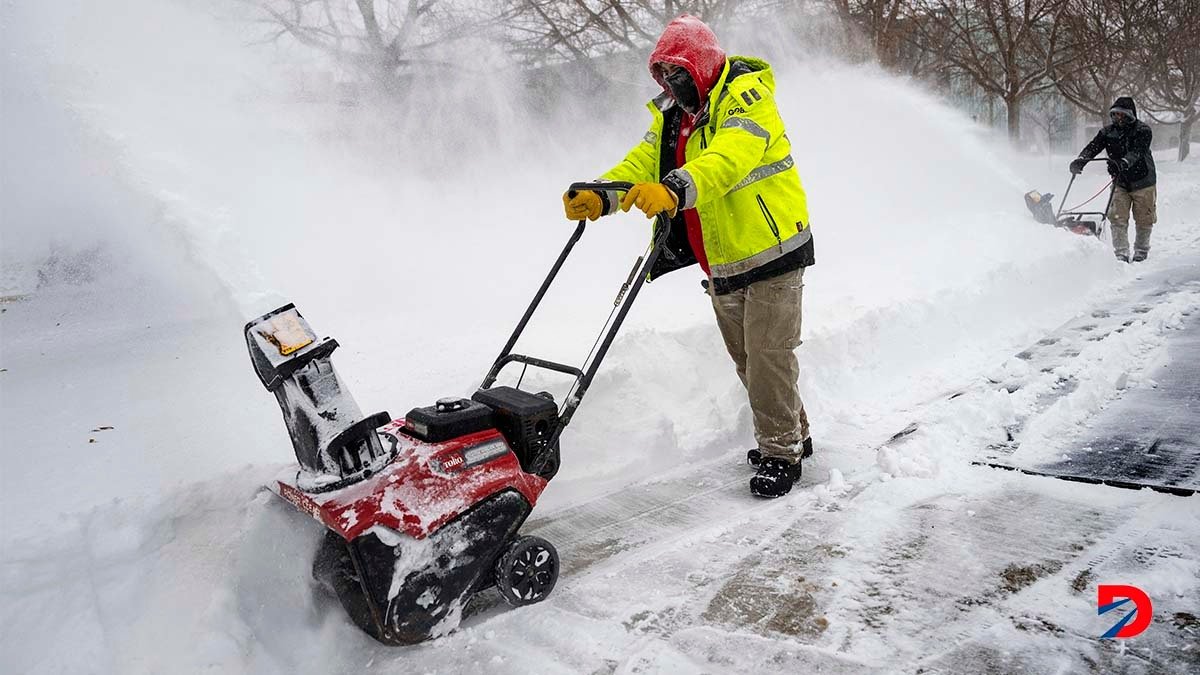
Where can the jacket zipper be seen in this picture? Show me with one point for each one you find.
(703, 139)
(762, 205)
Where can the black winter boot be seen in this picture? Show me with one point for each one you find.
(1140, 255)
(775, 477)
(754, 455)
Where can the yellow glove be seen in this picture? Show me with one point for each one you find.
(585, 204)
(651, 198)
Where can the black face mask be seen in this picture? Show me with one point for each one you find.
(684, 90)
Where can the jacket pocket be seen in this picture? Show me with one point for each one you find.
(770, 219)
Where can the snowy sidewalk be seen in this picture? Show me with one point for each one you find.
(1152, 435)
(1149, 434)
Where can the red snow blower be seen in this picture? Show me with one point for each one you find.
(424, 511)
(1079, 222)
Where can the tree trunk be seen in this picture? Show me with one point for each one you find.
(1185, 137)
(1014, 118)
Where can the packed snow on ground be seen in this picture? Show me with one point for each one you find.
(160, 189)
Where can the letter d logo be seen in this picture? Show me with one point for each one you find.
(1136, 620)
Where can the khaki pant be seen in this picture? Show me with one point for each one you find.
(1143, 204)
(761, 328)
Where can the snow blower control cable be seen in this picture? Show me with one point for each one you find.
(1089, 199)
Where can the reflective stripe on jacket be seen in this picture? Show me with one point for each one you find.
(739, 176)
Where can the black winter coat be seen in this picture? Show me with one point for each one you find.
(1131, 142)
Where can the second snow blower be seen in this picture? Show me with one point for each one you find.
(1080, 222)
(424, 511)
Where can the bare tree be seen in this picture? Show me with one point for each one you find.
(1105, 54)
(548, 31)
(379, 39)
(1007, 48)
(1171, 34)
(1051, 114)
(885, 24)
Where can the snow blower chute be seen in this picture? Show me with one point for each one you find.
(424, 511)
(1079, 222)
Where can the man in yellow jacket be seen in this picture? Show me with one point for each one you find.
(717, 159)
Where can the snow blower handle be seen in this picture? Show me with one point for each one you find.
(629, 291)
(598, 186)
(662, 229)
(1063, 202)
(624, 301)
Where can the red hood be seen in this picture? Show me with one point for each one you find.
(690, 43)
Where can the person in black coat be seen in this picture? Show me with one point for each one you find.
(1126, 141)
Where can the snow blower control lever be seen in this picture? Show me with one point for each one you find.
(541, 447)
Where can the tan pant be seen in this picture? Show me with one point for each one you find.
(761, 328)
(1144, 206)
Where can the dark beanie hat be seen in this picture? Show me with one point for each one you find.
(1124, 105)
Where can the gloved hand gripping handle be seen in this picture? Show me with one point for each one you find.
(598, 186)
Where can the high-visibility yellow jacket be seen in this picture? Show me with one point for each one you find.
(739, 175)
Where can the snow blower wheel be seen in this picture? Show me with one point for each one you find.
(527, 571)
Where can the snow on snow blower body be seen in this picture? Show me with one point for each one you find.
(424, 511)
(1079, 222)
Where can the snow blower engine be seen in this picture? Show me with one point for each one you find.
(424, 511)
